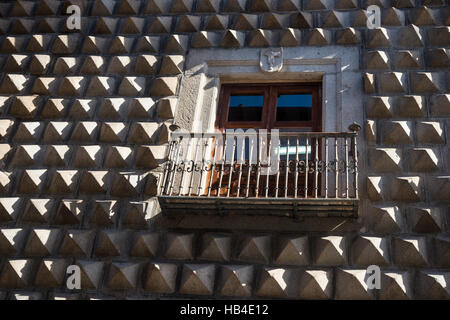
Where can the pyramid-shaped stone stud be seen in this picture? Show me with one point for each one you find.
(56, 131)
(66, 65)
(172, 64)
(13, 44)
(385, 219)
(82, 109)
(391, 82)
(69, 212)
(181, 6)
(318, 37)
(235, 280)
(5, 182)
(378, 38)
(103, 213)
(348, 36)
(408, 189)
(55, 108)
(260, 5)
(146, 64)
(164, 86)
(148, 45)
(246, 22)
(334, 19)
(437, 58)
(275, 21)
(42, 242)
(177, 43)
(397, 132)
(16, 63)
(151, 185)
(430, 132)
(137, 213)
(432, 285)
(5, 150)
(188, 23)
(121, 45)
(150, 157)
(366, 251)
(409, 37)
(46, 86)
(14, 83)
(232, 39)
(438, 36)
(369, 83)
(197, 279)
(205, 39)
(260, 38)
(216, 247)
(424, 16)
(77, 243)
(423, 160)
(25, 107)
(37, 211)
(48, 25)
(157, 7)
(425, 82)
(12, 240)
(51, 273)
(160, 278)
(410, 106)
(63, 182)
(277, 283)
(208, 6)
(351, 284)
(72, 86)
(403, 3)
(101, 86)
(396, 286)
(255, 249)
(289, 5)
(393, 17)
(16, 273)
(145, 244)
(133, 25)
(119, 65)
(26, 296)
(32, 181)
(407, 59)
(166, 108)
(94, 182)
(440, 105)
(123, 275)
(103, 8)
(22, 8)
(93, 65)
(425, 220)
(410, 251)
(216, 22)
(91, 273)
(28, 131)
(371, 131)
(290, 37)
(94, 45)
(442, 245)
(132, 86)
(376, 60)
(25, 156)
(385, 159)
(5, 128)
(141, 108)
(439, 187)
(113, 108)
(129, 7)
(160, 25)
(113, 132)
(39, 43)
(88, 156)
(105, 25)
(329, 250)
(315, 284)
(126, 184)
(179, 246)
(293, 251)
(112, 243)
(234, 5)
(65, 44)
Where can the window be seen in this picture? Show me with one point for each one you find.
(262, 106)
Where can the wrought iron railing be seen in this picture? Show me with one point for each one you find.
(283, 165)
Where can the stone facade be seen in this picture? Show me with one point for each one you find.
(84, 127)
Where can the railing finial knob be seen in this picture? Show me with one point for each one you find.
(354, 127)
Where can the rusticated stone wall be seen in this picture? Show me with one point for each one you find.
(84, 117)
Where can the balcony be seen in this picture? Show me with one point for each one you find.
(248, 173)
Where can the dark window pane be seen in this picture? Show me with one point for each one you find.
(294, 107)
(245, 108)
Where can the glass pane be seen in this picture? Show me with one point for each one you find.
(294, 107)
(245, 108)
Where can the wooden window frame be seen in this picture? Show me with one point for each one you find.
(268, 114)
